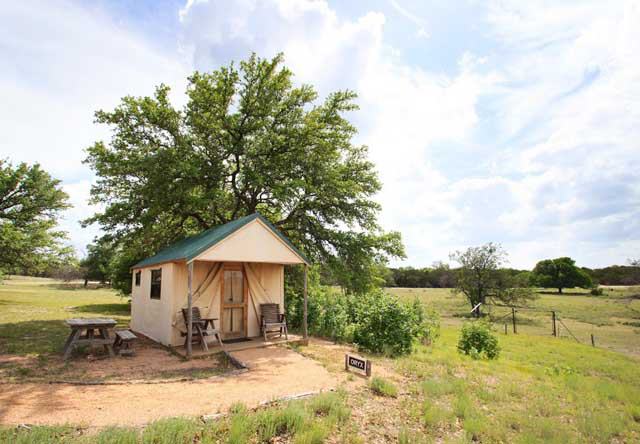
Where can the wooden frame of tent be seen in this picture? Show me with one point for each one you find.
(230, 265)
(189, 339)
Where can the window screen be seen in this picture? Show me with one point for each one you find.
(156, 283)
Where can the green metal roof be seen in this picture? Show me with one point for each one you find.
(190, 247)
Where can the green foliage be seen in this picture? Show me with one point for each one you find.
(30, 204)
(434, 415)
(480, 277)
(439, 275)
(596, 291)
(383, 387)
(247, 140)
(560, 273)
(375, 321)
(97, 264)
(117, 435)
(477, 340)
(383, 324)
(272, 423)
(67, 272)
(616, 274)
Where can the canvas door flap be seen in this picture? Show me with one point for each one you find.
(215, 283)
(212, 279)
(258, 292)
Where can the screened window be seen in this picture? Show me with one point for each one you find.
(156, 283)
(138, 273)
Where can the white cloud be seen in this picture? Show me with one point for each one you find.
(60, 63)
(569, 106)
(532, 141)
(414, 18)
(403, 109)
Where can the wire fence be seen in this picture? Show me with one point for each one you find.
(513, 319)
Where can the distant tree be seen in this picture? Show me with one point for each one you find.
(481, 279)
(30, 204)
(560, 273)
(68, 272)
(442, 276)
(97, 264)
(247, 140)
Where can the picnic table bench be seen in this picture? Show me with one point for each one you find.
(89, 331)
(123, 341)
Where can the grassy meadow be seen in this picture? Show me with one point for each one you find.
(613, 318)
(33, 310)
(540, 389)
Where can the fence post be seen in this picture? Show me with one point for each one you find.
(505, 328)
(593, 341)
(513, 315)
(553, 320)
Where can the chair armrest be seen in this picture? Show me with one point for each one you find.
(283, 317)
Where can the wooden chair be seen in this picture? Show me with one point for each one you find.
(272, 320)
(199, 328)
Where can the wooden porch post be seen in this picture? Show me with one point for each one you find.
(305, 332)
(189, 311)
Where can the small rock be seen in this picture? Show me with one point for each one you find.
(213, 417)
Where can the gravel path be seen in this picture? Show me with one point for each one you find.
(274, 372)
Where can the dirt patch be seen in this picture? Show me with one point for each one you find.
(150, 362)
(274, 372)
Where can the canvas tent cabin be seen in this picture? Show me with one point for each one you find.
(226, 271)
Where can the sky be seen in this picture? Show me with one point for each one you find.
(504, 121)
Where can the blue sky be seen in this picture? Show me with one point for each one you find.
(503, 121)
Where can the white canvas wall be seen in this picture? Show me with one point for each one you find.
(162, 320)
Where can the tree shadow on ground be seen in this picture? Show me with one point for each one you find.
(39, 336)
(74, 286)
(33, 337)
(114, 309)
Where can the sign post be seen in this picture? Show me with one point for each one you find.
(356, 364)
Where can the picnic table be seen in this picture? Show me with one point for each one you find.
(89, 331)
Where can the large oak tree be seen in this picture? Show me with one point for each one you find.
(560, 273)
(247, 140)
(481, 278)
(30, 204)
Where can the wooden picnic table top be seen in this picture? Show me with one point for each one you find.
(91, 322)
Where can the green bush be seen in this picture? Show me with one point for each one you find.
(597, 291)
(478, 340)
(377, 322)
(384, 325)
(383, 387)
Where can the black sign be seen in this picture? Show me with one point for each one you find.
(360, 364)
(357, 364)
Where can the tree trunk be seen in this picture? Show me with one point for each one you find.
(86, 282)
(560, 290)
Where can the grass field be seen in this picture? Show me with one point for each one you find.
(613, 319)
(32, 313)
(541, 389)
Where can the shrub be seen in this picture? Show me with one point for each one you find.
(477, 340)
(385, 325)
(383, 387)
(377, 322)
(597, 291)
